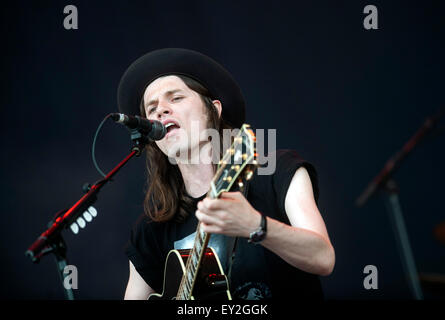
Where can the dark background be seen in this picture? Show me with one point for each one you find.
(344, 97)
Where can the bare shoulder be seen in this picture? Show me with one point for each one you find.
(300, 204)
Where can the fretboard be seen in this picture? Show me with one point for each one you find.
(193, 262)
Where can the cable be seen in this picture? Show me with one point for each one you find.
(94, 145)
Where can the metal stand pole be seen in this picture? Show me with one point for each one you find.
(398, 223)
(59, 250)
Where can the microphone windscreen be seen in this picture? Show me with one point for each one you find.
(158, 130)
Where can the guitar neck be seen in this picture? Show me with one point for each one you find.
(240, 157)
(193, 263)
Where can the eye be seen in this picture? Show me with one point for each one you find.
(151, 110)
(177, 98)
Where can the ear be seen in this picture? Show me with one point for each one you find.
(218, 106)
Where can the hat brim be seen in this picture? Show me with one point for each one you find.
(185, 62)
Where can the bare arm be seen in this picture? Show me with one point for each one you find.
(137, 288)
(304, 244)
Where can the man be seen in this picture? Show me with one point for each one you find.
(282, 245)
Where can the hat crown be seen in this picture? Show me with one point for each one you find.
(179, 61)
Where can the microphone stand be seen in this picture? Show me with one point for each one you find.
(51, 240)
(385, 181)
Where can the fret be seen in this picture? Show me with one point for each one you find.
(198, 245)
(213, 190)
(188, 290)
(192, 268)
(194, 259)
(180, 295)
(202, 235)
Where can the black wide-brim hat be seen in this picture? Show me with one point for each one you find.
(195, 65)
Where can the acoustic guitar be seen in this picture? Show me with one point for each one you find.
(197, 273)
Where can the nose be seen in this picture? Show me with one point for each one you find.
(163, 110)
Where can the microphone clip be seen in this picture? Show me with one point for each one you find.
(139, 139)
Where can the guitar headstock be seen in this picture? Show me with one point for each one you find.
(238, 163)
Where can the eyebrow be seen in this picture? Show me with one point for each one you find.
(167, 93)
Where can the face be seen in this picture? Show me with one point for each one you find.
(181, 110)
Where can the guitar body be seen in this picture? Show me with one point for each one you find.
(211, 282)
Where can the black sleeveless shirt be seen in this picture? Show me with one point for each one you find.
(257, 273)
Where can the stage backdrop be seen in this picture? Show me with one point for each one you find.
(346, 98)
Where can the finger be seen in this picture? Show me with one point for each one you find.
(220, 215)
(206, 208)
(231, 195)
(203, 208)
(210, 228)
(207, 219)
(214, 204)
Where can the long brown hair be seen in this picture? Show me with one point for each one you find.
(166, 197)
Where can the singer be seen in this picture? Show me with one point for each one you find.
(270, 238)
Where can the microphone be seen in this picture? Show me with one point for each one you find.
(154, 129)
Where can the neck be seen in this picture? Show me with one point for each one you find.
(197, 172)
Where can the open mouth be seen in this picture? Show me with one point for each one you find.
(171, 127)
